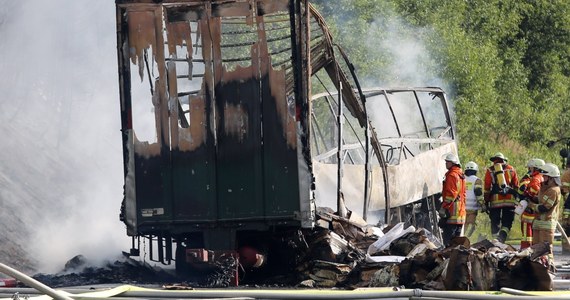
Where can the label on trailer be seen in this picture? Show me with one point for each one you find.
(150, 212)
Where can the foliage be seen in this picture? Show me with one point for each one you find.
(504, 63)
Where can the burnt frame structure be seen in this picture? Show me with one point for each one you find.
(232, 155)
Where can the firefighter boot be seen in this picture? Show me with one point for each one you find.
(503, 233)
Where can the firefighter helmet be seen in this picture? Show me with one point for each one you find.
(535, 163)
(471, 166)
(451, 158)
(550, 170)
(498, 155)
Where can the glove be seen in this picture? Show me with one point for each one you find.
(520, 207)
(443, 213)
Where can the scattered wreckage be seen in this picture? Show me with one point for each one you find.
(364, 256)
(352, 255)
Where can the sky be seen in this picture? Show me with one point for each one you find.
(61, 169)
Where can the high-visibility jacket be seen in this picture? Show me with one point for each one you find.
(529, 188)
(453, 194)
(523, 183)
(549, 197)
(472, 201)
(500, 199)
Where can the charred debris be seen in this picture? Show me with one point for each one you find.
(346, 253)
(366, 256)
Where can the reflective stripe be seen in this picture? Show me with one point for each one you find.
(527, 218)
(456, 220)
(503, 203)
(544, 225)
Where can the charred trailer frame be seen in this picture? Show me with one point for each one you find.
(214, 109)
(220, 138)
(410, 129)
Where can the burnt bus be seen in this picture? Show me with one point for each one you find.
(227, 148)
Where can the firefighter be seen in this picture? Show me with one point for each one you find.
(452, 211)
(547, 207)
(565, 189)
(500, 187)
(473, 197)
(529, 187)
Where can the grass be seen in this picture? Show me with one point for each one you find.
(483, 229)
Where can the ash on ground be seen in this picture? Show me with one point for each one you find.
(79, 272)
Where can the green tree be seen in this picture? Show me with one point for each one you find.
(504, 63)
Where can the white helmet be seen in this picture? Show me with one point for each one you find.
(550, 170)
(451, 158)
(535, 163)
(471, 166)
(498, 155)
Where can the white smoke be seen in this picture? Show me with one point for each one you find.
(61, 158)
(408, 61)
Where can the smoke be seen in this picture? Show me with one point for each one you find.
(408, 62)
(61, 163)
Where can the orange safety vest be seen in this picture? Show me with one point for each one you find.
(453, 195)
(532, 187)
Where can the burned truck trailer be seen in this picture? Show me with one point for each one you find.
(226, 147)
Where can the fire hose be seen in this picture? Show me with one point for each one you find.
(562, 232)
(4, 269)
(130, 292)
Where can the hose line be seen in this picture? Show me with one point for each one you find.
(29, 281)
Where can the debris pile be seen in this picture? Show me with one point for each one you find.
(346, 252)
(361, 256)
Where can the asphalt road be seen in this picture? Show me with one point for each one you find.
(561, 258)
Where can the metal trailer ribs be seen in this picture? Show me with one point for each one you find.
(223, 141)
